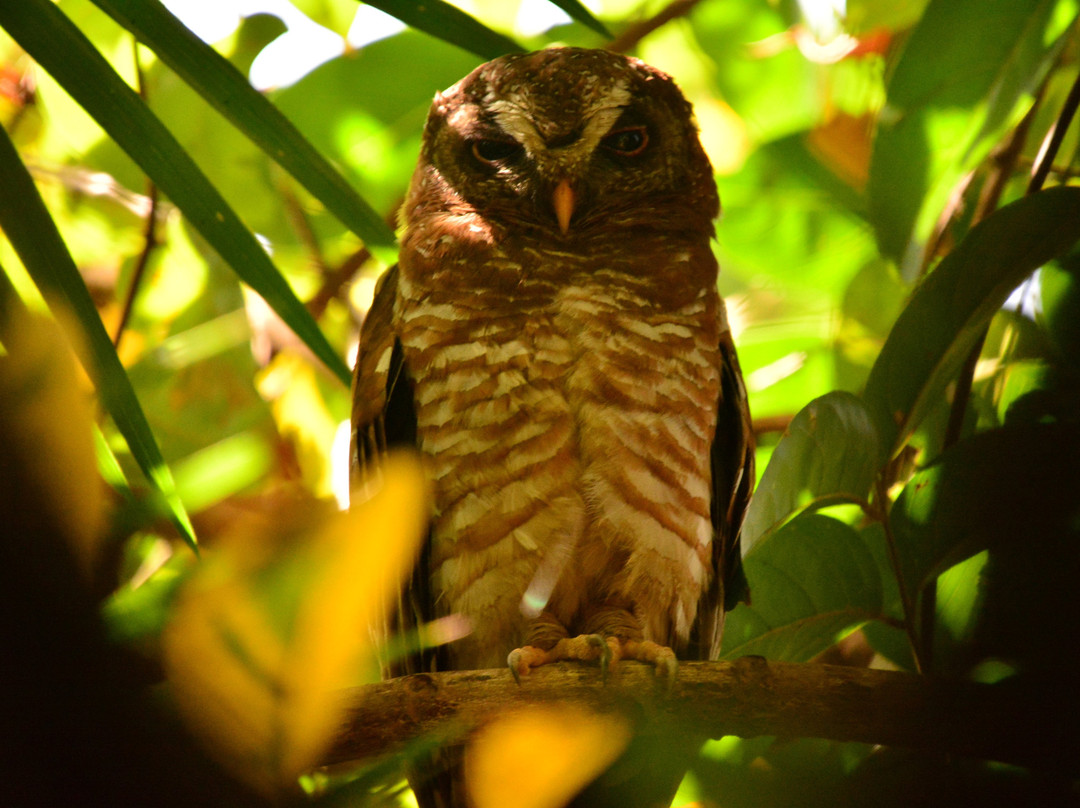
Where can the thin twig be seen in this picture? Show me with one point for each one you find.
(334, 280)
(302, 225)
(881, 514)
(150, 240)
(1054, 137)
(629, 39)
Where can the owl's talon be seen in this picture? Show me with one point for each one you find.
(522, 660)
(607, 656)
(513, 660)
(667, 668)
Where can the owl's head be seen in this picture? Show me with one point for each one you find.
(565, 142)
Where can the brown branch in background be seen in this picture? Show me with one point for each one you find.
(771, 423)
(334, 280)
(629, 39)
(749, 697)
(150, 243)
(1054, 137)
(302, 225)
(150, 239)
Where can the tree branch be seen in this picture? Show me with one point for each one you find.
(748, 697)
(633, 35)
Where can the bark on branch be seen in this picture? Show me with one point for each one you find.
(748, 697)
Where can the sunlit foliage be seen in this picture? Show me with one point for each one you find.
(890, 172)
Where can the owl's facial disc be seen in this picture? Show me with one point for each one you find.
(565, 142)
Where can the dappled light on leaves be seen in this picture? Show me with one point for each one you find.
(46, 416)
(540, 757)
(289, 384)
(276, 620)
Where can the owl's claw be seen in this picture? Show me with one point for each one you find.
(607, 650)
(607, 655)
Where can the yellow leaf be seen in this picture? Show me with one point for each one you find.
(46, 422)
(275, 621)
(540, 757)
(290, 385)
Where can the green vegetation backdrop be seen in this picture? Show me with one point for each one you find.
(898, 249)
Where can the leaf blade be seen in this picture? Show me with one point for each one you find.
(33, 234)
(45, 33)
(948, 311)
(812, 581)
(228, 91)
(948, 100)
(830, 452)
(444, 21)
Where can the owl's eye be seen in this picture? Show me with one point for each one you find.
(494, 152)
(629, 142)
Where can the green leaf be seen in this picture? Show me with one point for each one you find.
(444, 21)
(830, 453)
(576, 11)
(1014, 485)
(61, 49)
(26, 222)
(812, 582)
(228, 91)
(1059, 287)
(951, 96)
(949, 310)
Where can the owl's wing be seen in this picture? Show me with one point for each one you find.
(384, 418)
(732, 461)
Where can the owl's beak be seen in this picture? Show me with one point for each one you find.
(562, 199)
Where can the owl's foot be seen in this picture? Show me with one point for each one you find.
(659, 656)
(608, 650)
(585, 647)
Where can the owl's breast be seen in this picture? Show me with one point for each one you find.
(568, 432)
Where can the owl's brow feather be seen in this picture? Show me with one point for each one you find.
(515, 120)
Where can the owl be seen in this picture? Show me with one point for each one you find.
(553, 343)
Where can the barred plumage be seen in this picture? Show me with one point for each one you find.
(553, 342)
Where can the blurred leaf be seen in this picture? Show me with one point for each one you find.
(576, 11)
(60, 48)
(950, 97)
(372, 128)
(772, 89)
(277, 619)
(46, 422)
(140, 613)
(32, 233)
(290, 385)
(959, 599)
(829, 453)
(947, 313)
(443, 21)
(1059, 286)
(228, 91)
(540, 757)
(1014, 485)
(337, 15)
(875, 297)
(896, 15)
(800, 152)
(1020, 379)
(222, 469)
(812, 582)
